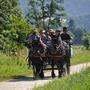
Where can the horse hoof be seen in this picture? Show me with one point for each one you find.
(41, 76)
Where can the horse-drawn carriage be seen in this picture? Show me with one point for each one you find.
(56, 57)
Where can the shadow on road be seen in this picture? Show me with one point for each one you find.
(27, 78)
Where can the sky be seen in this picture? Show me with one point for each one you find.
(72, 7)
(77, 7)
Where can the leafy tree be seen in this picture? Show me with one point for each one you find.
(86, 43)
(71, 25)
(13, 27)
(44, 14)
(86, 40)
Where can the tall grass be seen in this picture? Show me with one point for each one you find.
(79, 81)
(81, 55)
(10, 67)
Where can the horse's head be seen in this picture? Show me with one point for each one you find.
(55, 42)
(58, 48)
(36, 51)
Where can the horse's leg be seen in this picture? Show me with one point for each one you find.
(64, 67)
(68, 66)
(33, 66)
(41, 73)
(68, 60)
(34, 71)
(53, 74)
(39, 69)
(60, 69)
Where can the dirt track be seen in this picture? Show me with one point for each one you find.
(27, 83)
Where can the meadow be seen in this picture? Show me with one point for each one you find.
(11, 67)
(81, 55)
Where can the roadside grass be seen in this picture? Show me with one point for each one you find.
(80, 81)
(11, 67)
(81, 55)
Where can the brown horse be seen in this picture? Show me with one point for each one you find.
(36, 61)
(59, 54)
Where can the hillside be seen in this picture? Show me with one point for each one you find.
(79, 11)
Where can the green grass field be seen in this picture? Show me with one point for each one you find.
(10, 67)
(79, 81)
(80, 55)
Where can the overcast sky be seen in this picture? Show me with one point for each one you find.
(72, 7)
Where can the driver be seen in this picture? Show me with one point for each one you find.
(65, 35)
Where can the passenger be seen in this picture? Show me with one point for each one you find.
(65, 35)
(43, 39)
(58, 32)
(43, 36)
(55, 38)
(48, 39)
(51, 31)
(58, 35)
(48, 42)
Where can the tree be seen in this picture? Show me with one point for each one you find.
(86, 43)
(13, 27)
(86, 40)
(43, 14)
(71, 25)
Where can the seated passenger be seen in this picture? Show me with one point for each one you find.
(43, 36)
(48, 42)
(67, 38)
(65, 35)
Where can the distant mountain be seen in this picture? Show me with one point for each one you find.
(77, 9)
(83, 21)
